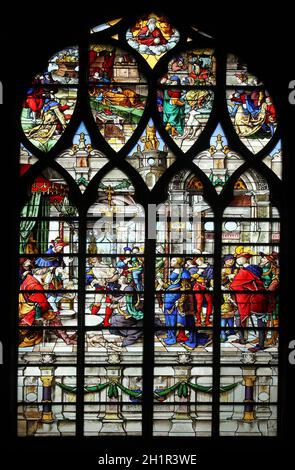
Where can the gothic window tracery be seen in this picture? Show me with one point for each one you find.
(149, 238)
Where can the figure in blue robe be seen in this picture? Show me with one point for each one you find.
(173, 317)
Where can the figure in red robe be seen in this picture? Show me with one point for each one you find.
(251, 298)
(151, 35)
(270, 116)
(249, 302)
(34, 306)
(34, 101)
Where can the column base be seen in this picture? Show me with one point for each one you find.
(111, 426)
(246, 428)
(181, 427)
(47, 429)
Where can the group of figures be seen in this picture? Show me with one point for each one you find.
(183, 111)
(250, 291)
(252, 113)
(184, 293)
(87, 299)
(39, 304)
(117, 286)
(196, 67)
(117, 111)
(46, 113)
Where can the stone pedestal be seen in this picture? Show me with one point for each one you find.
(181, 426)
(182, 423)
(133, 424)
(246, 428)
(112, 422)
(47, 429)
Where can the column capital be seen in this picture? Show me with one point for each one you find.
(47, 380)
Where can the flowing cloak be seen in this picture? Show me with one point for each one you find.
(177, 314)
(249, 122)
(130, 307)
(173, 113)
(254, 299)
(124, 266)
(171, 297)
(148, 40)
(129, 326)
(34, 99)
(32, 305)
(208, 275)
(271, 115)
(128, 98)
(51, 261)
(271, 283)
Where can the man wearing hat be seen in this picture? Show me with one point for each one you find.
(270, 276)
(102, 277)
(203, 282)
(174, 109)
(55, 249)
(35, 307)
(51, 261)
(228, 307)
(25, 266)
(176, 306)
(249, 296)
(124, 262)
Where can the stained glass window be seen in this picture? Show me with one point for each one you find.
(149, 239)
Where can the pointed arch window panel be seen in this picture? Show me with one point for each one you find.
(184, 315)
(149, 239)
(114, 307)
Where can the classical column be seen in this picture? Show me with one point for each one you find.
(47, 381)
(248, 425)
(48, 423)
(248, 400)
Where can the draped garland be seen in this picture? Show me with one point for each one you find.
(181, 388)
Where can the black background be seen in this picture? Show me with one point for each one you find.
(263, 36)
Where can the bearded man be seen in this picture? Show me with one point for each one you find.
(151, 35)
